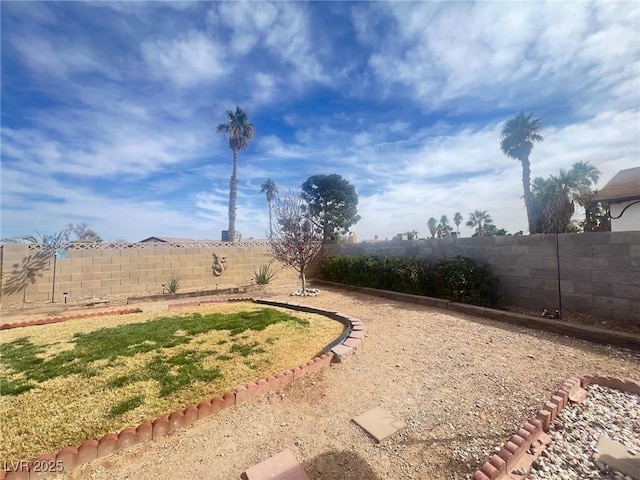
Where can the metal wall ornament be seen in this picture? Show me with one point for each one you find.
(219, 265)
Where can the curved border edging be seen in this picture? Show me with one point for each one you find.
(525, 446)
(50, 320)
(72, 457)
(584, 332)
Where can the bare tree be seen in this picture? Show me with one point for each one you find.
(82, 233)
(295, 240)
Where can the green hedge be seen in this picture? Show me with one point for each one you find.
(458, 279)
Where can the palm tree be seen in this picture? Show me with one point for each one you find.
(457, 219)
(240, 131)
(516, 141)
(432, 223)
(586, 175)
(556, 199)
(269, 187)
(478, 219)
(444, 228)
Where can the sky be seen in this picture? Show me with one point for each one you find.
(109, 110)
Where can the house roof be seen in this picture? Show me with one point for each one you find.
(625, 185)
(168, 240)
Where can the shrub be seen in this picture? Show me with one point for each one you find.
(173, 284)
(458, 279)
(264, 274)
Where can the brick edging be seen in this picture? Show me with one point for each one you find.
(50, 320)
(72, 457)
(197, 303)
(526, 445)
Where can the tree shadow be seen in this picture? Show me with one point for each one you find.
(345, 465)
(26, 272)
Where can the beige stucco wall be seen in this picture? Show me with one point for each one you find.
(96, 271)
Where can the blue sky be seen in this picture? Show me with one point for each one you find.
(109, 109)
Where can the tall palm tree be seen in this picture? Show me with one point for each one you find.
(270, 188)
(240, 131)
(457, 219)
(432, 223)
(478, 219)
(516, 141)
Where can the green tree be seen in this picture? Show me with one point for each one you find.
(478, 219)
(432, 223)
(587, 176)
(295, 241)
(490, 230)
(457, 219)
(554, 197)
(333, 203)
(516, 141)
(412, 235)
(443, 228)
(240, 132)
(271, 189)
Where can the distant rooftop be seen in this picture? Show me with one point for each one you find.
(167, 240)
(625, 185)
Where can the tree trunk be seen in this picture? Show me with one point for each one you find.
(325, 227)
(304, 281)
(526, 186)
(270, 222)
(233, 196)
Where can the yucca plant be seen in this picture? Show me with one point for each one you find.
(173, 284)
(264, 274)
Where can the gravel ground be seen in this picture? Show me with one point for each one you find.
(462, 384)
(575, 433)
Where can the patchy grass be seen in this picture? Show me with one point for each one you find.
(125, 406)
(61, 384)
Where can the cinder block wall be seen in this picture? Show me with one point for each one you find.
(93, 271)
(599, 272)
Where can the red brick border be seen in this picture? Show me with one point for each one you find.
(71, 457)
(527, 444)
(47, 321)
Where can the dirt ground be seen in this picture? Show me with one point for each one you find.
(462, 384)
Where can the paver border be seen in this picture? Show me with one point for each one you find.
(526, 445)
(71, 457)
(50, 320)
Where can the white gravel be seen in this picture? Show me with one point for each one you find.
(576, 431)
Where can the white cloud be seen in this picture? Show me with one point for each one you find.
(187, 60)
(282, 28)
(60, 58)
(484, 51)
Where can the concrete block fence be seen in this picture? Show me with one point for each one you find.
(599, 271)
(95, 270)
(526, 445)
(49, 465)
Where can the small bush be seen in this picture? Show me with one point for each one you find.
(173, 284)
(458, 279)
(264, 274)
